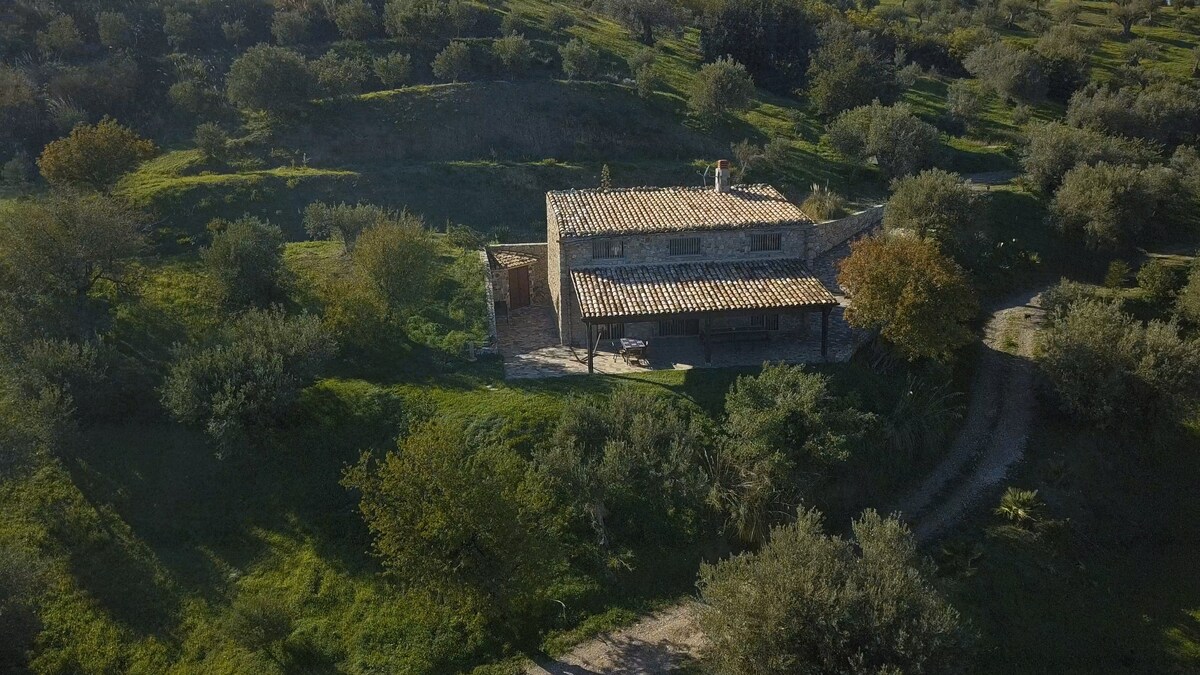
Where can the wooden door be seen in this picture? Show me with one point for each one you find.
(518, 287)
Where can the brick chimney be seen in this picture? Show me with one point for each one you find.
(723, 177)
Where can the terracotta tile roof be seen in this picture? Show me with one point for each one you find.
(509, 259)
(584, 213)
(686, 288)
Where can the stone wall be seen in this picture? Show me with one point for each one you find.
(828, 235)
(651, 249)
(539, 288)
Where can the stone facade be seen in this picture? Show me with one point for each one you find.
(642, 249)
(539, 290)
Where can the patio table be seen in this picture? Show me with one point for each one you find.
(633, 350)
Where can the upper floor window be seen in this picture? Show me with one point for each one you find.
(608, 248)
(684, 246)
(766, 241)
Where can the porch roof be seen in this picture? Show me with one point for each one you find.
(648, 292)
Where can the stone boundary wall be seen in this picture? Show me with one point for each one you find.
(829, 235)
(490, 298)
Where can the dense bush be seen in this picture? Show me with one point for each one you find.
(514, 52)
(1011, 72)
(239, 388)
(58, 253)
(1166, 111)
(937, 205)
(632, 470)
(342, 222)
(246, 259)
(847, 71)
(720, 87)
(393, 70)
(1106, 366)
(580, 60)
(772, 39)
(1110, 206)
(643, 17)
(1053, 149)
(94, 156)
(809, 602)
(270, 78)
(898, 141)
(453, 62)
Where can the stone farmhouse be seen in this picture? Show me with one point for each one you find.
(664, 265)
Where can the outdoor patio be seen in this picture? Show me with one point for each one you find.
(527, 341)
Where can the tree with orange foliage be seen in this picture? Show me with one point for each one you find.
(94, 155)
(917, 298)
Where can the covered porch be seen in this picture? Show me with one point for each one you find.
(753, 311)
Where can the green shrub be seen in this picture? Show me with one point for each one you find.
(394, 69)
(1157, 282)
(212, 140)
(823, 204)
(580, 60)
(1117, 274)
(720, 87)
(514, 52)
(246, 259)
(453, 62)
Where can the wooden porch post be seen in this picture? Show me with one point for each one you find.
(591, 347)
(825, 332)
(705, 341)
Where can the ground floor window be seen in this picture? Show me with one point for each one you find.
(765, 321)
(612, 331)
(675, 327)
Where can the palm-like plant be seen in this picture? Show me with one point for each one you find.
(1020, 507)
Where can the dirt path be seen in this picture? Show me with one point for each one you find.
(659, 643)
(996, 427)
(992, 440)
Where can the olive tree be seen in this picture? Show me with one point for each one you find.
(892, 135)
(933, 204)
(720, 87)
(246, 259)
(809, 602)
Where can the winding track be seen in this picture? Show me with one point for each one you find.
(991, 441)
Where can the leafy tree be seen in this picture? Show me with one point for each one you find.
(241, 386)
(1054, 149)
(898, 141)
(393, 70)
(809, 602)
(423, 18)
(631, 468)
(246, 259)
(514, 52)
(1187, 303)
(963, 103)
(916, 297)
(60, 37)
(356, 20)
(1128, 12)
(720, 87)
(57, 251)
(1167, 112)
(847, 72)
(452, 62)
(580, 60)
(1011, 72)
(212, 140)
(179, 27)
(558, 19)
(1117, 274)
(933, 204)
(269, 78)
(1106, 366)
(459, 516)
(342, 221)
(18, 103)
(114, 30)
(1109, 206)
(340, 76)
(94, 155)
(290, 27)
(643, 17)
(1064, 52)
(772, 38)
(784, 431)
(17, 171)
(1157, 282)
